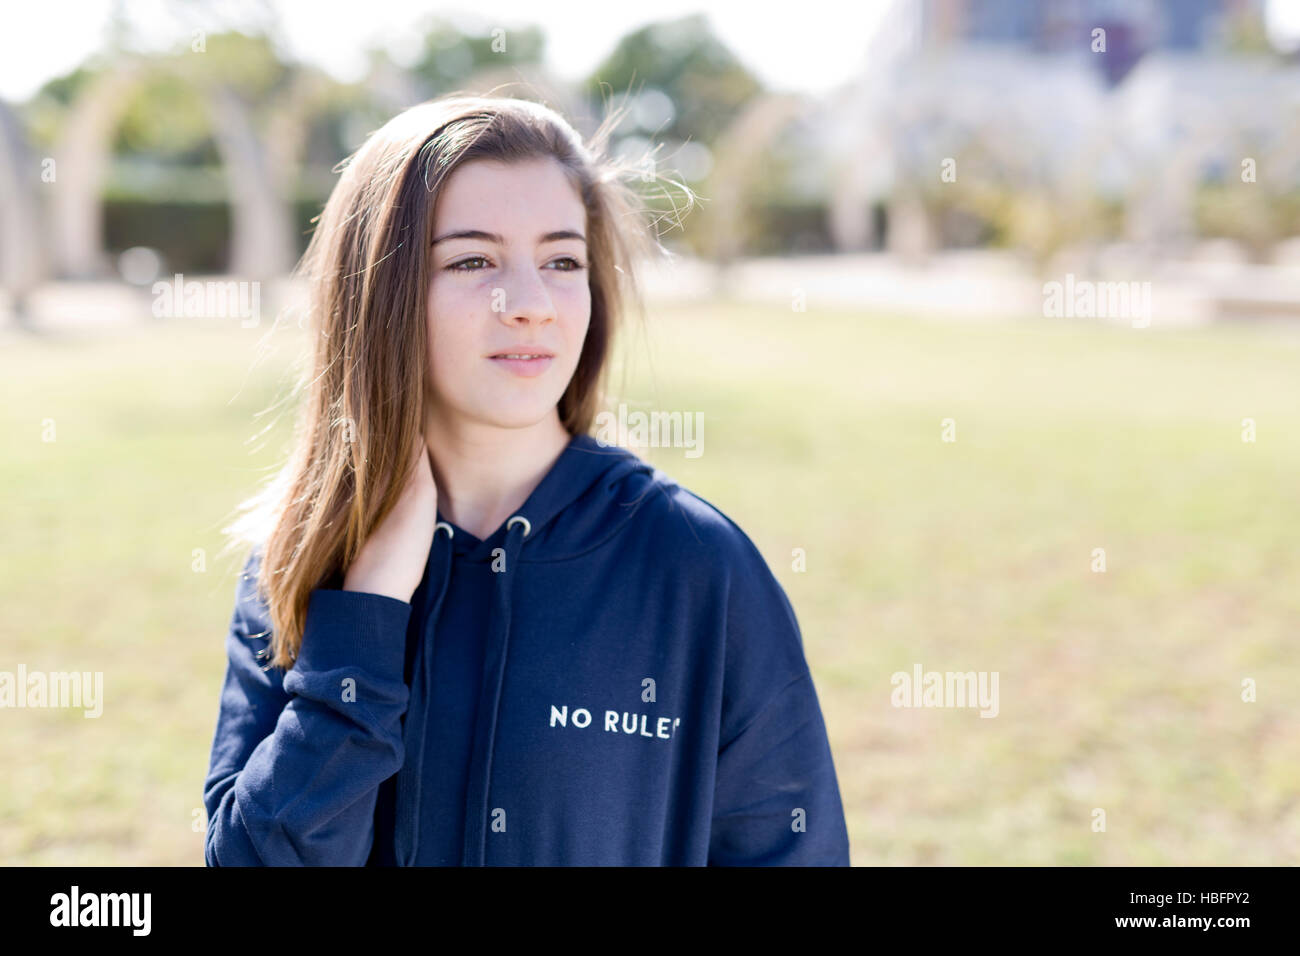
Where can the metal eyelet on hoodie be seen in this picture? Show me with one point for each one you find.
(443, 524)
(527, 525)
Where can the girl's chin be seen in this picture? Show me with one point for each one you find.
(520, 406)
(514, 415)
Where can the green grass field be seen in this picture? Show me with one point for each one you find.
(1119, 690)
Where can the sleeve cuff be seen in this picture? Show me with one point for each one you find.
(352, 628)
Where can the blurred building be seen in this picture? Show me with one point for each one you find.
(1133, 28)
(975, 118)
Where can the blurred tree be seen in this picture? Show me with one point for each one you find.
(450, 56)
(682, 59)
(1256, 200)
(1245, 31)
(754, 167)
(167, 116)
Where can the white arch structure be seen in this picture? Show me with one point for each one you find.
(24, 258)
(262, 240)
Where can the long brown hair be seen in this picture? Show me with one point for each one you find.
(362, 392)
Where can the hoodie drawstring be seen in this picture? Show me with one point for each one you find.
(407, 837)
(494, 668)
(407, 824)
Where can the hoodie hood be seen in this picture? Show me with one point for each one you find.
(590, 492)
(593, 488)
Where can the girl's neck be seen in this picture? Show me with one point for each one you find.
(484, 473)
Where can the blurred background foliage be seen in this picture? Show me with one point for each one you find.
(771, 168)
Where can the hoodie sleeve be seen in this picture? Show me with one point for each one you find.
(776, 797)
(298, 757)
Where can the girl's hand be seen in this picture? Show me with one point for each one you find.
(393, 558)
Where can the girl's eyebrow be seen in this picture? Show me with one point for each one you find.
(556, 236)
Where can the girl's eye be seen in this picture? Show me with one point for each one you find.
(572, 264)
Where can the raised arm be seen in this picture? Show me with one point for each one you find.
(298, 757)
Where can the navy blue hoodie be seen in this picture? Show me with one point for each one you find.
(615, 679)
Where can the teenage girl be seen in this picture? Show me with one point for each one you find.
(467, 632)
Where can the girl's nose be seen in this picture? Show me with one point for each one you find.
(525, 299)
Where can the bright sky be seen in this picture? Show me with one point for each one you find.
(810, 46)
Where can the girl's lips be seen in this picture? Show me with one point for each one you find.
(525, 368)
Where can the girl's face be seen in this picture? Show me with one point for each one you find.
(509, 276)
